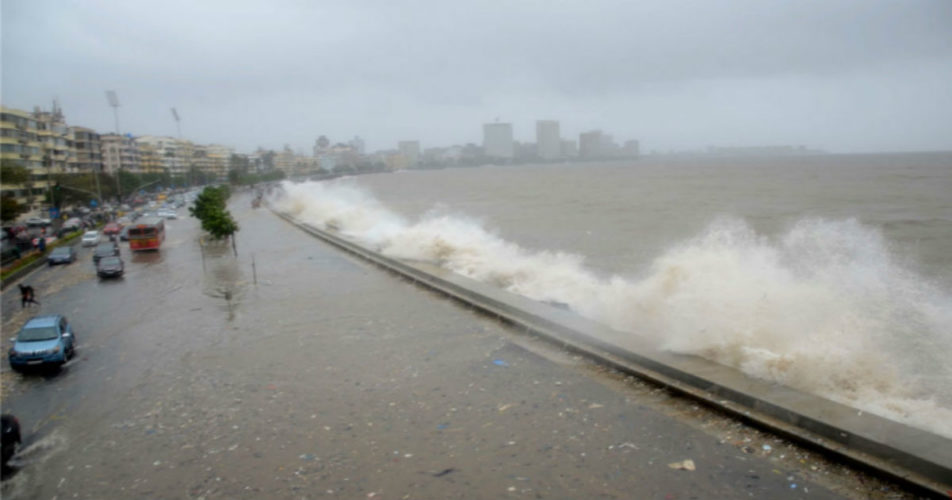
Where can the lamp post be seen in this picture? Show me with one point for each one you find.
(113, 100)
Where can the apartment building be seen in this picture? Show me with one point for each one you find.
(548, 140)
(20, 145)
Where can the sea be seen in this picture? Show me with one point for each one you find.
(831, 274)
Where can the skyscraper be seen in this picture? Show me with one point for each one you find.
(497, 140)
(548, 140)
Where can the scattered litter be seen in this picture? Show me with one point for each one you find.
(307, 456)
(442, 426)
(595, 405)
(793, 486)
(685, 465)
(511, 488)
(444, 472)
(624, 445)
(499, 362)
(504, 407)
(767, 448)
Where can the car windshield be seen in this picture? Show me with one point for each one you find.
(60, 251)
(105, 249)
(91, 234)
(109, 261)
(31, 334)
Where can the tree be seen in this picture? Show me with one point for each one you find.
(14, 173)
(210, 209)
(10, 208)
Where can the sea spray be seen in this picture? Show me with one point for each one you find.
(825, 308)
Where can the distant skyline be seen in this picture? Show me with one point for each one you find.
(838, 75)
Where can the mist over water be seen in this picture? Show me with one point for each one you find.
(824, 305)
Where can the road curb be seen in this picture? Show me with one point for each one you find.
(918, 459)
(22, 272)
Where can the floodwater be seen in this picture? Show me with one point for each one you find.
(830, 274)
(296, 371)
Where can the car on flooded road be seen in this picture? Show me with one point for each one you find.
(111, 229)
(110, 267)
(43, 340)
(61, 255)
(90, 238)
(107, 249)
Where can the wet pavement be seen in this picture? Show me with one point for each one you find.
(296, 371)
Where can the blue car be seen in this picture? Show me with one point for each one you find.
(43, 340)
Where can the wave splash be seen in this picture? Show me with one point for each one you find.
(825, 308)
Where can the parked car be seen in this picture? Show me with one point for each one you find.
(43, 340)
(168, 214)
(38, 222)
(107, 249)
(61, 255)
(110, 267)
(9, 436)
(74, 224)
(90, 238)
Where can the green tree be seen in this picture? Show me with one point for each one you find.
(14, 173)
(210, 209)
(9, 208)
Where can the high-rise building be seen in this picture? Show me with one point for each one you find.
(88, 149)
(497, 141)
(122, 152)
(548, 140)
(20, 146)
(411, 152)
(590, 144)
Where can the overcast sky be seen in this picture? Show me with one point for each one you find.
(845, 76)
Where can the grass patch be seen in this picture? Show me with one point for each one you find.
(20, 264)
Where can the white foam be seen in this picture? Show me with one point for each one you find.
(824, 308)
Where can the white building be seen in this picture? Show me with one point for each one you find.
(497, 140)
(411, 152)
(548, 140)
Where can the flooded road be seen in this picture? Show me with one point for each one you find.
(296, 371)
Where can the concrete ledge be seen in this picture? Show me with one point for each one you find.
(23, 271)
(916, 458)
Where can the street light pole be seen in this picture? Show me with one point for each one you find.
(114, 102)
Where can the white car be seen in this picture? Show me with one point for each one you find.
(168, 214)
(90, 238)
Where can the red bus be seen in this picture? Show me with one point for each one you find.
(147, 234)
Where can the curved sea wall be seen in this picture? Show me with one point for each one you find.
(918, 458)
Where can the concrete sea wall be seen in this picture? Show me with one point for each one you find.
(919, 459)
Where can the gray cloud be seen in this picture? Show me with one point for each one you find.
(845, 75)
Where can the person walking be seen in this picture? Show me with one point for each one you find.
(27, 295)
